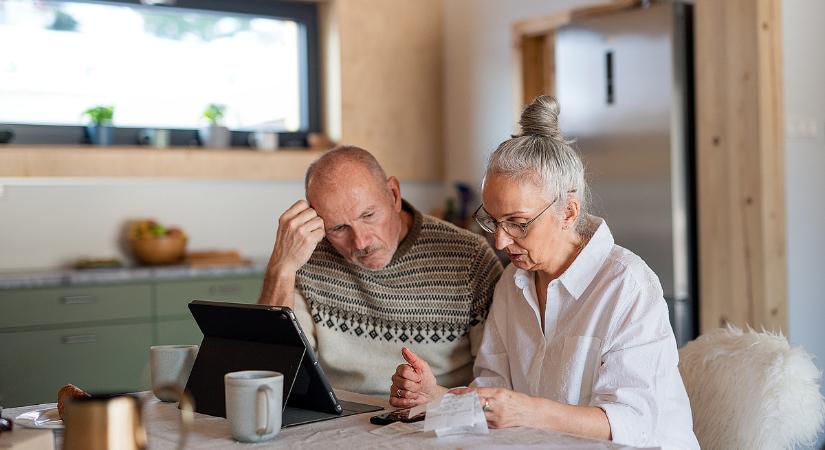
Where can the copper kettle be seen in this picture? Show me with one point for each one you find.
(115, 422)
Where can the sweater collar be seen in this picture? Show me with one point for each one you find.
(412, 235)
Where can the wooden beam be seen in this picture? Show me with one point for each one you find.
(391, 82)
(180, 163)
(740, 164)
(142, 162)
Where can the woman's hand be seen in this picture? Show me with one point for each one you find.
(505, 408)
(413, 383)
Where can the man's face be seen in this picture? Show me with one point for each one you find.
(361, 214)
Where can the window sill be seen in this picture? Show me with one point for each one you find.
(144, 162)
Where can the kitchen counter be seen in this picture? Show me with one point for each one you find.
(68, 277)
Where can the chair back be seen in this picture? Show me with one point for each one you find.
(751, 390)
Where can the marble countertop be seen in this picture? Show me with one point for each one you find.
(70, 277)
(350, 432)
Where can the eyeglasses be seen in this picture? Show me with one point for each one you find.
(514, 229)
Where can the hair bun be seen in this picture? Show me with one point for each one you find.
(541, 118)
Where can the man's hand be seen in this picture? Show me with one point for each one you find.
(300, 229)
(413, 383)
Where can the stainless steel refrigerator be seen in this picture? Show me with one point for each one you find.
(624, 82)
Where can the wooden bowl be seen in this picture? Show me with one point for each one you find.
(159, 250)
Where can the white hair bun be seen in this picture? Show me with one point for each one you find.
(541, 118)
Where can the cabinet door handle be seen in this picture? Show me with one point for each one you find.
(78, 299)
(224, 289)
(79, 339)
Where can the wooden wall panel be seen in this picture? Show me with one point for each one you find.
(740, 164)
(391, 83)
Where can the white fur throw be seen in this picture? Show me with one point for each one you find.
(751, 390)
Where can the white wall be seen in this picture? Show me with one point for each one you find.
(804, 85)
(47, 223)
(479, 78)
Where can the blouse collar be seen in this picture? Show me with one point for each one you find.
(580, 274)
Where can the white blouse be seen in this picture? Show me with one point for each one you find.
(608, 343)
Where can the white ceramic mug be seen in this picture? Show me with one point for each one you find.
(263, 140)
(170, 366)
(254, 403)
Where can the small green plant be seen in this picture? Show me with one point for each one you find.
(214, 112)
(100, 115)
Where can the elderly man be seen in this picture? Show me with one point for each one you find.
(367, 274)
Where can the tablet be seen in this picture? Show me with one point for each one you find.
(238, 336)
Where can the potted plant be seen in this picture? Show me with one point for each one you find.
(99, 128)
(215, 135)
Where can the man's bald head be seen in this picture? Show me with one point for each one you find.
(359, 204)
(342, 162)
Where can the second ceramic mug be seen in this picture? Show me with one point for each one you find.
(170, 365)
(254, 402)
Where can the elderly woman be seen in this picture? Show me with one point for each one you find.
(578, 338)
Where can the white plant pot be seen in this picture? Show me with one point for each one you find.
(214, 137)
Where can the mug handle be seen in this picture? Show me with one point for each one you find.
(187, 417)
(264, 395)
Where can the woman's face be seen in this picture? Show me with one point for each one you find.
(519, 201)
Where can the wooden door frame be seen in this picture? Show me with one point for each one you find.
(739, 149)
(535, 70)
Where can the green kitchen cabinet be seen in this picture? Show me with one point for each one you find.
(172, 297)
(174, 323)
(36, 364)
(177, 332)
(76, 304)
(98, 336)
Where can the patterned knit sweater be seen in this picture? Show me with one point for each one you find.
(432, 297)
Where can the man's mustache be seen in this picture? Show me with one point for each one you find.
(358, 253)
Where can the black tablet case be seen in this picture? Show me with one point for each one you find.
(259, 337)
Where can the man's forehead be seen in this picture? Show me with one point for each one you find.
(344, 205)
(343, 172)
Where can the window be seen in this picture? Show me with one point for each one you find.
(159, 66)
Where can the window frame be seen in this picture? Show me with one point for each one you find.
(304, 13)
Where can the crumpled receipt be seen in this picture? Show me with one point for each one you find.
(456, 414)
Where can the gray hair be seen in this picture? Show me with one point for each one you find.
(328, 162)
(543, 156)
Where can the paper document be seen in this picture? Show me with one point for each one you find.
(456, 414)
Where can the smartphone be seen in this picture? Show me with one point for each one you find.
(399, 415)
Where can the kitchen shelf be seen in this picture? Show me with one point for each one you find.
(144, 162)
